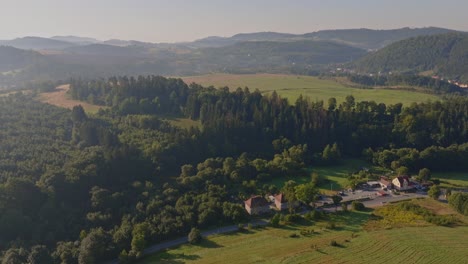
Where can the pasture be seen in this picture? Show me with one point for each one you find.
(291, 86)
(356, 244)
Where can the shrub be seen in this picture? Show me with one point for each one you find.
(313, 215)
(357, 206)
(275, 220)
(293, 235)
(194, 236)
(292, 218)
(331, 225)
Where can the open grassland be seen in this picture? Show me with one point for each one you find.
(420, 244)
(59, 98)
(334, 177)
(290, 86)
(452, 179)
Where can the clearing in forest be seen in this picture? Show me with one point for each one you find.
(60, 98)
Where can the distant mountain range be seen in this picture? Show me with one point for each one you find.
(62, 57)
(445, 55)
(361, 38)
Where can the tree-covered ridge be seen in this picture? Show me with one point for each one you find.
(446, 55)
(16, 59)
(268, 55)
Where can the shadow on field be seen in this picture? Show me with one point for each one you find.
(167, 258)
(206, 243)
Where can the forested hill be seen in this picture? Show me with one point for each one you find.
(369, 39)
(14, 59)
(446, 55)
(266, 55)
(374, 39)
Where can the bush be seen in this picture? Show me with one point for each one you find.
(275, 220)
(313, 215)
(331, 225)
(194, 236)
(357, 206)
(292, 218)
(293, 235)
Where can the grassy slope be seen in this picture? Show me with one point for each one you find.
(452, 179)
(421, 244)
(336, 175)
(291, 87)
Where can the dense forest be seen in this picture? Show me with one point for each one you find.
(444, 54)
(79, 188)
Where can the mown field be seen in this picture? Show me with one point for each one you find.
(60, 98)
(424, 243)
(290, 86)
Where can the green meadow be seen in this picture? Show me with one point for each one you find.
(291, 87)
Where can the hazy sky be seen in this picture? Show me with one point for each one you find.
(179, 20)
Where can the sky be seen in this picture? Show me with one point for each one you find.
(184, 20)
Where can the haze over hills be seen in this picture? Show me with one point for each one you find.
(37, 43)
(76, 40)
(446, 55)
(361, 38)
(310, 53)
(15, 59)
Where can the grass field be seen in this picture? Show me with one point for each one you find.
(336, 175)
(356, 244)
(452, 179)
(291, 87)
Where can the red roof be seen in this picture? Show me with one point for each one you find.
(256, 201)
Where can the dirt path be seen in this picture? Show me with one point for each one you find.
(59, 98)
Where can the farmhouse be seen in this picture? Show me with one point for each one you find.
(257, 205)
(402, 183)
(385, 183)
(281, 203)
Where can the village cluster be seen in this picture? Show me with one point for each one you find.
(385, 187)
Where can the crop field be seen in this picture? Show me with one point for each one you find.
(290, 86)
(355, 244)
